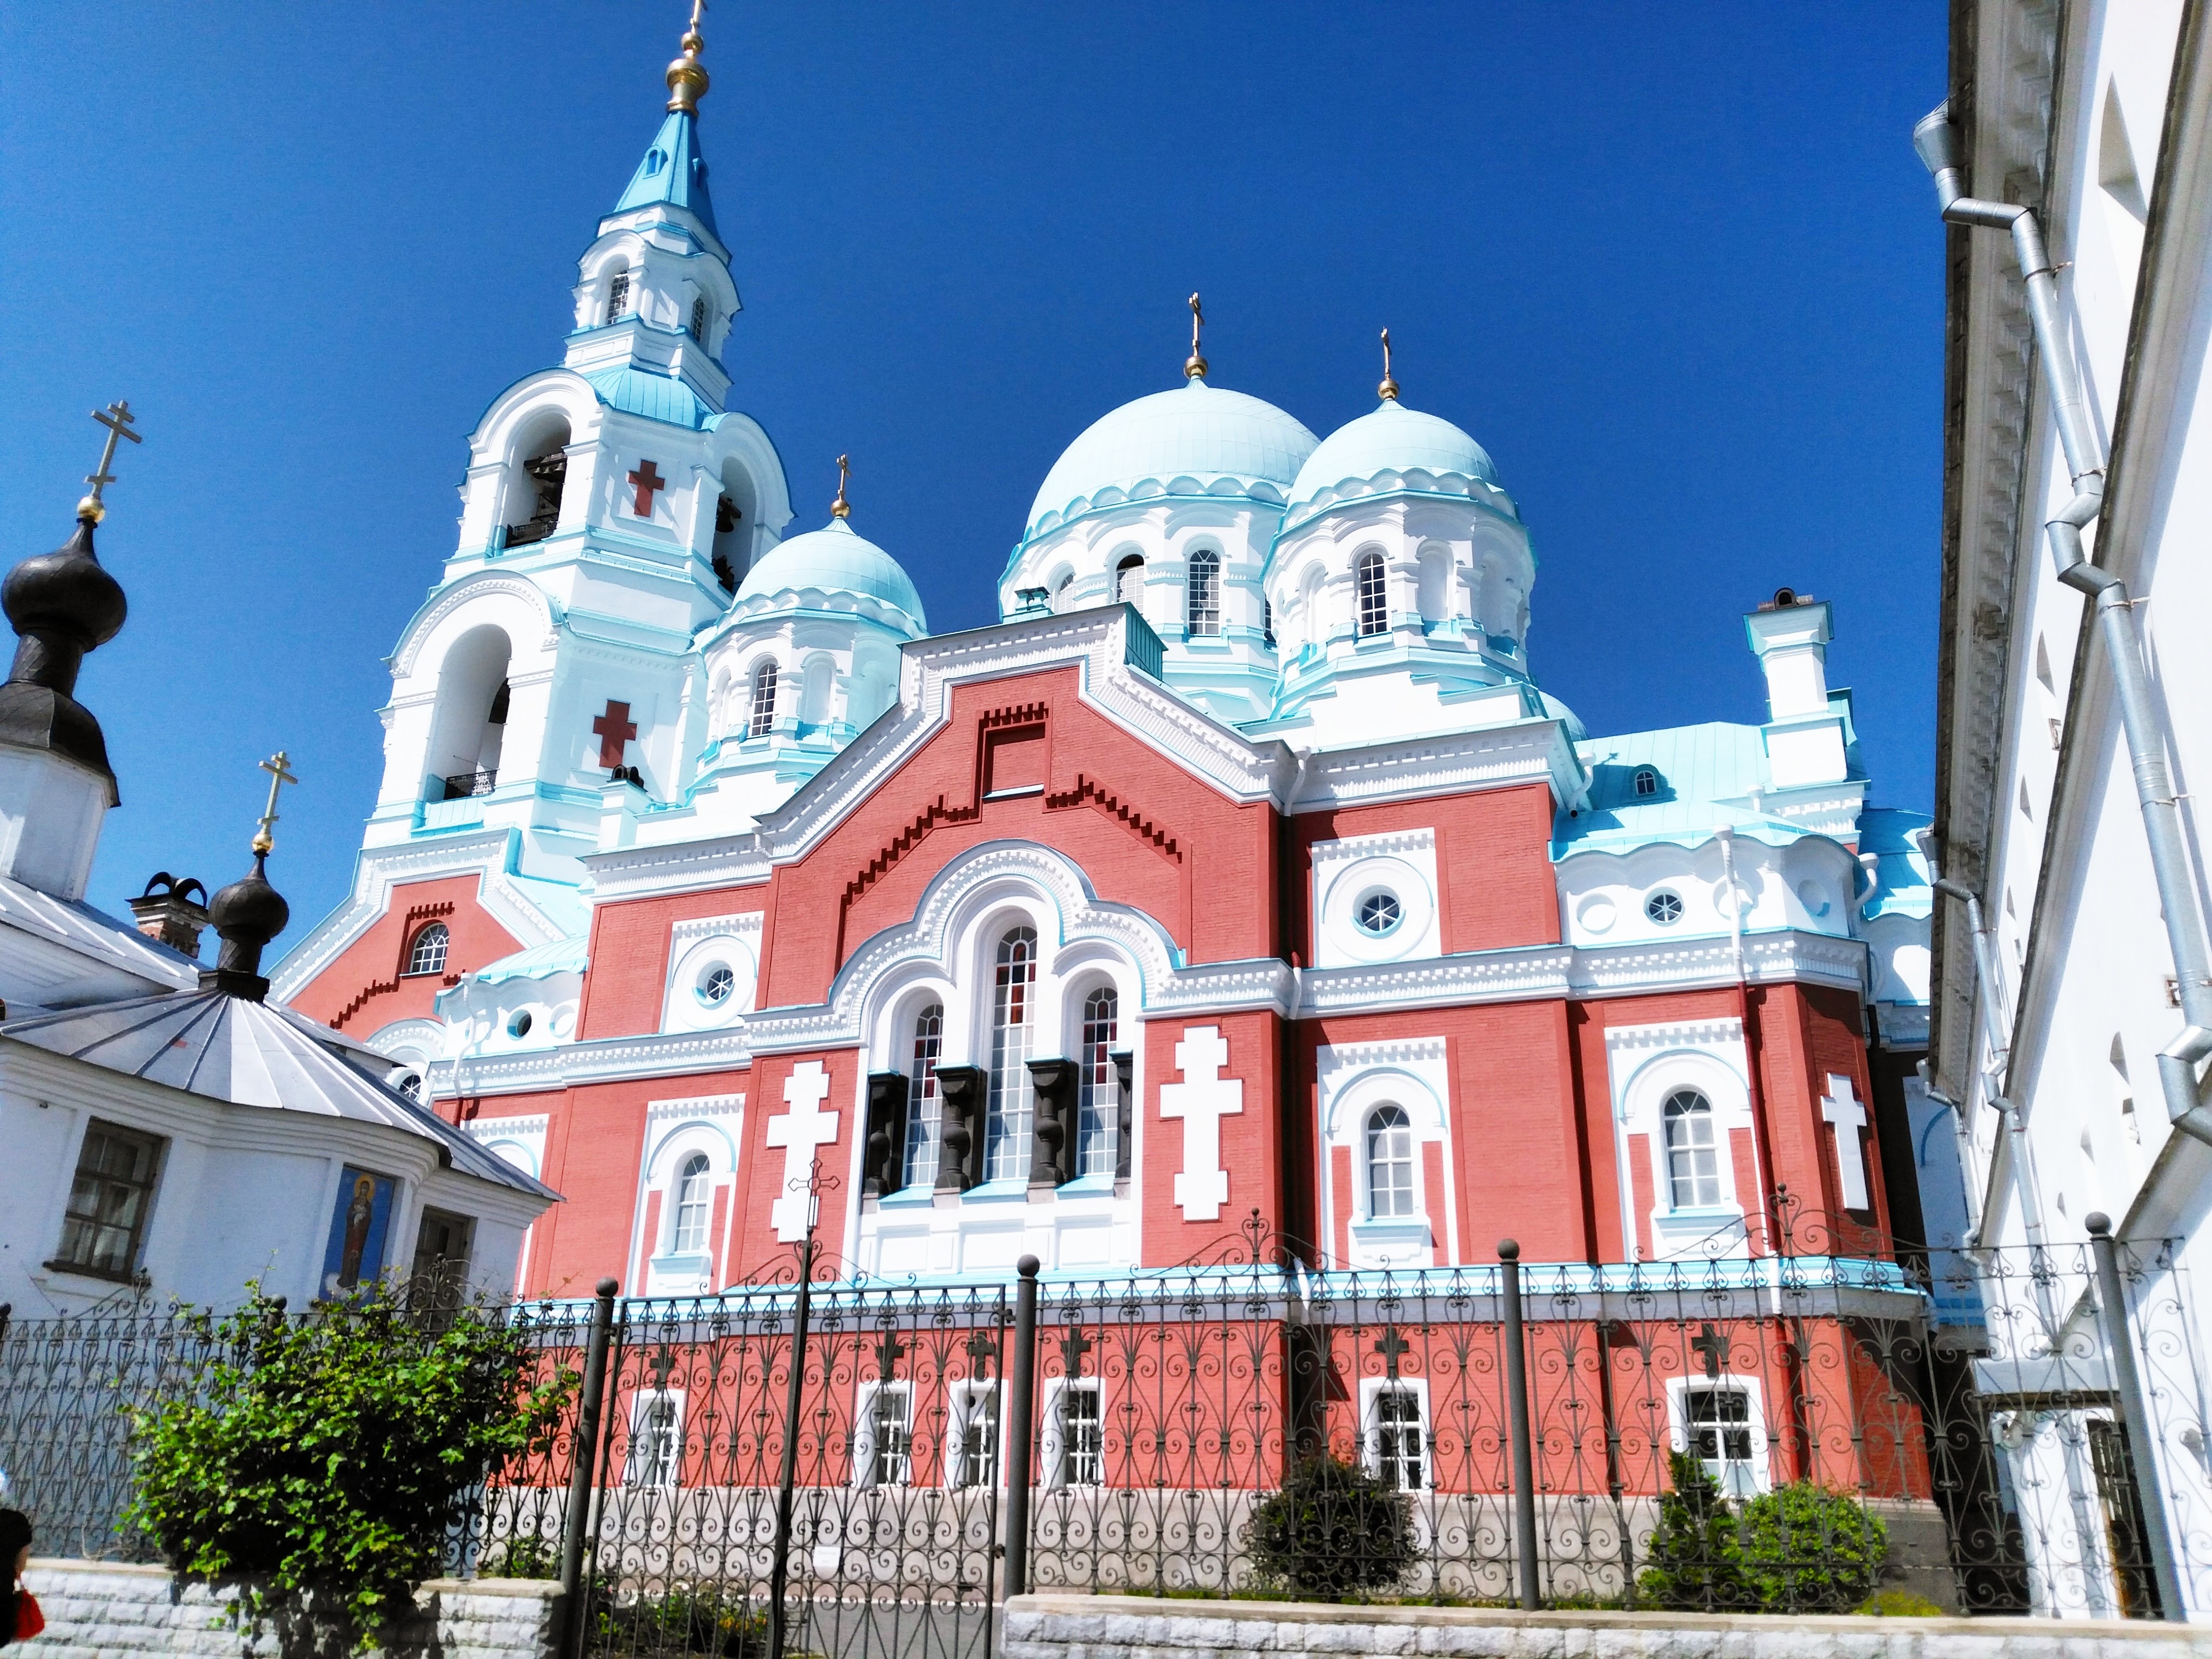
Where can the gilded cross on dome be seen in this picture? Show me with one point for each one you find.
(645, 481)
(841, 508)
(280, 773)
(1390, 387)
(1194, 366)
(118, 420)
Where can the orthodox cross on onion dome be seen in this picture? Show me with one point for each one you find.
(613, 729)
(841, 508)
(645, 481)
(1390, 387)
(1193, 367)
(118, 420)
(280, 773)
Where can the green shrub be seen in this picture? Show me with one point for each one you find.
(1799, 1549)
(1694, 1566)
(1333, 1530)
(1806, 1549)
(326, 1457)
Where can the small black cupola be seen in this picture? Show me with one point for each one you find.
(249, 913)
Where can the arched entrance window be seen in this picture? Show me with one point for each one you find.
(1006, 1119)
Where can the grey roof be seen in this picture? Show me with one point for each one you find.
(92, 933)
(252, 1054)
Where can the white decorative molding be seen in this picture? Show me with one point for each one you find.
(605, 1059)
(1846, 1117)
(1401, 862)
(525, 1134)
(1199, 1102)
(1526, 752)
(457, 593)
(488, 854)
(1645, 1065)
(801, 1132)
(698, 943)
(1352, 1079)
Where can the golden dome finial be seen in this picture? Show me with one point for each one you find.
(687, 76)
(1193, 367)
(1389, 387)
(280, 773)
(117, 420)
(841, 508)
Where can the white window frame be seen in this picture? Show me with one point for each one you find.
(865, 1450)
(663, 1474)
(970, 1397)
(1057, 1453)
(1371, 1390)
(1758, 1475)
(705, 1207)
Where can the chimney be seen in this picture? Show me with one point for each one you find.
(1805, 741)
(168, 912)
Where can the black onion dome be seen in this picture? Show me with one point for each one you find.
(247, 913)
(67, 592)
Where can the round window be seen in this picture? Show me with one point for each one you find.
(716, 984)
(519, 1025)
(1664, 906)
(409, 1084)
(1378, 912)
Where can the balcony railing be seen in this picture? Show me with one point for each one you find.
(463, 784)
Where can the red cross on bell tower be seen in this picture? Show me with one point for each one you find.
(645, 481)
(613, 729)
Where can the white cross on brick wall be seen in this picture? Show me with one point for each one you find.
(1201, 1101)
(1841, 1107)
(799, 1131)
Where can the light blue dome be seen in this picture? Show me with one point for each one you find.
(1390, 440)
(1221, 442)
(836, 560)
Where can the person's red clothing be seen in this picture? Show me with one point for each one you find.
(29, 1621)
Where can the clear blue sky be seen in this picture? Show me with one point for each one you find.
(1675, 267)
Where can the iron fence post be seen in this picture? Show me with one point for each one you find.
(584, 1446)
(1022, 1384)
(1524, 1462)
(2135, 1412)
(779, 1572)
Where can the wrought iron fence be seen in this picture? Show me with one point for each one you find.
(855, 1467)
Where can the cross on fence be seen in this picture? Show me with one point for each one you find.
(1390, 1344)
(1072, 1348)
(888, 1351)
(983, 1349)
(1713, 1346)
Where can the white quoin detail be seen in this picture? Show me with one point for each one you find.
(1841, 1107)
(799, 1131)
(1201, 1101)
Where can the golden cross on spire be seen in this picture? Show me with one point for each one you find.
(118, 420)
(841, 508)
(278, 767)
(687, 76)
(1389, 387)
(1194, 368)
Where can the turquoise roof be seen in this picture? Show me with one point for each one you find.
(657, 397)
(1703, 777)
(1900, 869)
(562, 956)
(1390, 439)
(1197, 433)
(837, 559)
(673, 174)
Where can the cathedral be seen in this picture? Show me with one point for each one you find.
(1242, 871)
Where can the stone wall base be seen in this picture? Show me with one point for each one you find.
(1136, 1627)
(102, 1609)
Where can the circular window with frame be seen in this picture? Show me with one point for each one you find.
(1376, 913)
(1663, 907)
(715, 982)
(519, 1025)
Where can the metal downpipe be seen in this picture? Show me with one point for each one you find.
(1937, 142)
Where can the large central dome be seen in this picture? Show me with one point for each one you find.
(1196, 439)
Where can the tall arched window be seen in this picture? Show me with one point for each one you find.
(1374, 595)
(1389, 1162)
(1099, 1105)
(762, 720)
(1693, 1169)
(699, 319)
(1129, 582)
(924, 1126)
(427, 953)
(1006, 1119)
(619, 294)
(693, 1188)
(1202, 597)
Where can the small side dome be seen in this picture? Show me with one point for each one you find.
(834, 559)
(1223, 441)
(1391, 442)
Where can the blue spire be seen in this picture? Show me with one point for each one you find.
(673, 173)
